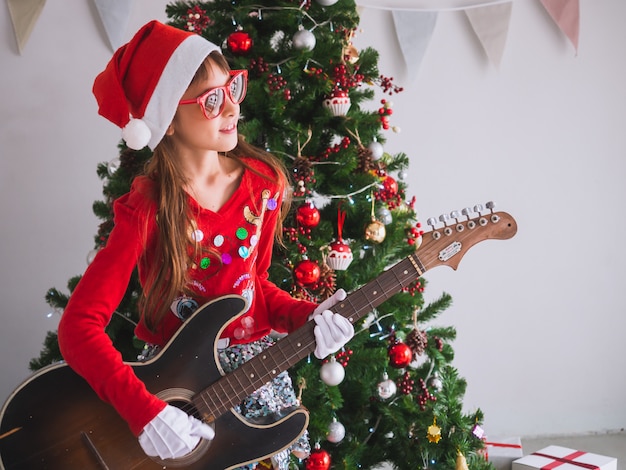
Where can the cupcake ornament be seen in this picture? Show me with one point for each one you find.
(340, 255)
(338, 103)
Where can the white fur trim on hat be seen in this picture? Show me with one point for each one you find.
(173, 82)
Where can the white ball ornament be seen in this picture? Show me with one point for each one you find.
(336, 432)
(387, 388)
(304, 40)
(332, 373)
(377, 150)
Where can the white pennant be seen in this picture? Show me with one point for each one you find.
(414, 30)
(24, 15)
(491, 25)
(114, 15)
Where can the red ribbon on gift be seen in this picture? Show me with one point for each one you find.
(501, 444)
(567, 459)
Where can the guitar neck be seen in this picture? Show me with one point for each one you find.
(444, 246)
(231, 389)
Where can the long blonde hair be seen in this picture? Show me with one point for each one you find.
(167, 276)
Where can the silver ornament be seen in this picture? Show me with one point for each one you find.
(377, 150)
(304, 40)
(91, 255)
(436, 383)
(384, 215)
(336, 432)
(332, 373)
(327, 3)
(387, 388)
(113, 166)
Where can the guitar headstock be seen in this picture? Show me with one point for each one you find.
(452, 235)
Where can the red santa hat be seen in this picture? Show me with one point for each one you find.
(141, 86)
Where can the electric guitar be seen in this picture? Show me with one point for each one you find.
(54, 420)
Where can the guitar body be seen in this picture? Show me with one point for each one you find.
(55, 420)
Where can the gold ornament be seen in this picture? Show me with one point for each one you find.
(375, 231)
(351, 54)
(461, 463)
(434, 432)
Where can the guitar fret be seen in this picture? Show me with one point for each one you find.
(224, 392)
(269, 371)
(236, 374)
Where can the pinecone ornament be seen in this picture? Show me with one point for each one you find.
(366, 162)
(303, 173)
(132, 161)
(417, 340)
(327, 284)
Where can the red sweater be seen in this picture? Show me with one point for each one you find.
(241, 233)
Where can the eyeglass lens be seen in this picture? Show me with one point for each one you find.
(214, 101)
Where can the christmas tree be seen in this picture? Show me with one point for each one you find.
(391, 395)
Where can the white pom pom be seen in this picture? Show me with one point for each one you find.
(136, 134)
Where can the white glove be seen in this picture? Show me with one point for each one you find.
(173, 433)
(330, 302)
(332, 330)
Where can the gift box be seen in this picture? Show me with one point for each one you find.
(502, 451)
(562, 458)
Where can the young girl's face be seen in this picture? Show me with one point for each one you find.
(192, 131)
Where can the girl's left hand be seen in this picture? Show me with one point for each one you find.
(330, 302)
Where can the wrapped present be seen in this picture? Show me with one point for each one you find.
(562, 458)
(502, 451)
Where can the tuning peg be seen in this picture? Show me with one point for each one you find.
(455, 215)
(444, 218)
(478, 208)
(466, 212)
(431, 221)
(491, 205)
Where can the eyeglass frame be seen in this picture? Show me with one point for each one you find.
(200, 100)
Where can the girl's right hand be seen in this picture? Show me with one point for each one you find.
(173, 434)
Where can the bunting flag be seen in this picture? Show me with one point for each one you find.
(414, 30)
(491, 25)
(24, 15)
(114, 15)
(566, 14)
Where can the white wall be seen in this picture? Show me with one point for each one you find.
(539, 318)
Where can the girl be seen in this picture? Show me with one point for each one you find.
(199, 224)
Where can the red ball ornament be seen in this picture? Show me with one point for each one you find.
(390, 185)
(318, 460)
(307, 272)
(400, 355)
(239, 43)
(307, 215)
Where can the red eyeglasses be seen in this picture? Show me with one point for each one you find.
(212, 101)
